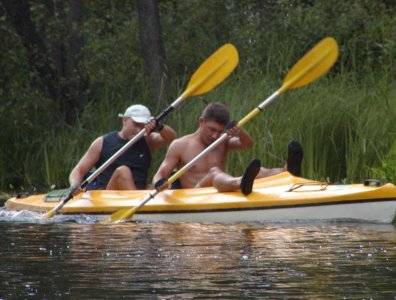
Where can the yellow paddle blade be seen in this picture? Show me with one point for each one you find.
(312, 65)
(213, 71)
(49, 214)
(125, 214)
(122, 214)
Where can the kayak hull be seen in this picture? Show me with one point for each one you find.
(281, 197)
(378, 212)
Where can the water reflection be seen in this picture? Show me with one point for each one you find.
(191, 260)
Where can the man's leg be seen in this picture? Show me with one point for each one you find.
(122, 179)
(264, 172)
(293, 165)
(220, 180)
(224, 182)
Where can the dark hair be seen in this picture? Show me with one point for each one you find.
(216, 112)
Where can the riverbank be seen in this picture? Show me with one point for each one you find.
(344, 120)
(3, 198)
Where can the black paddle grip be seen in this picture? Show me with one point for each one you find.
(158, 125)
(159, 185)
(230, 125)
(163, 114)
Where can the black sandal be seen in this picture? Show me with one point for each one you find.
(249, 175)
(294, 158)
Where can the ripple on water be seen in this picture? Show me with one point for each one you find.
(26, 216)
(77, 257)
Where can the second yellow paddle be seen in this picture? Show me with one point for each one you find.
(310, 67)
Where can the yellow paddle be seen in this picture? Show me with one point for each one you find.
(310, 67)
(210, 74)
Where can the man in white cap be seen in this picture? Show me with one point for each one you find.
(129, 171)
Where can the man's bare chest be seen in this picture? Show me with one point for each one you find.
(213, 158)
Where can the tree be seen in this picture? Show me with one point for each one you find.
(54, 61)
(152, 48)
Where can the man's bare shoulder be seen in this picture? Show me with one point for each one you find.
(186, 139)
(97, 143)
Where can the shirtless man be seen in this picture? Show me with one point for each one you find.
(208, 171)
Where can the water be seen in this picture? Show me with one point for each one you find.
(79, 258)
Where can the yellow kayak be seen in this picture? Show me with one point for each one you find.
(277, 198)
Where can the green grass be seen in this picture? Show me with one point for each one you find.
(344, 120)
(346, 128)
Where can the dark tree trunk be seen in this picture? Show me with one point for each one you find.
(57, 60)
(71, 61)
(153, 48)
(36, 50)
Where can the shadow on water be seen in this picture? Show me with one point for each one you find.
(77, 257)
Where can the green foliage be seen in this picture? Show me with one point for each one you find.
(387, 170)
(344, 121)
(343, 127)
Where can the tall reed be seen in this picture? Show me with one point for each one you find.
(344, 123)
(345, 128)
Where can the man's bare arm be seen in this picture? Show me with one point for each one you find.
(87, 162)
(159, 139)
(170, 162)
(240, 141)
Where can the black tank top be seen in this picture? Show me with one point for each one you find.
(137, 158)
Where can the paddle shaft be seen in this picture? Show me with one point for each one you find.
(211, 73)
(313, 65)
(222, 138)
(116, 155)
(128, 214)
(285, 86)
(124, 148)
(188, 92)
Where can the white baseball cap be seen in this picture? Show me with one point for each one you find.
(138, 113)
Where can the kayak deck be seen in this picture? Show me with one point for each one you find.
(279, 192)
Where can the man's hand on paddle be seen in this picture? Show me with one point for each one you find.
(161, 185)
(153, 125)
(238, 138)
(76, 189)
(150, 126)
(232, 129)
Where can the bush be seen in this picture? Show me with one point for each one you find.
(387, 170)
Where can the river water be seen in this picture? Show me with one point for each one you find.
(79, 258)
